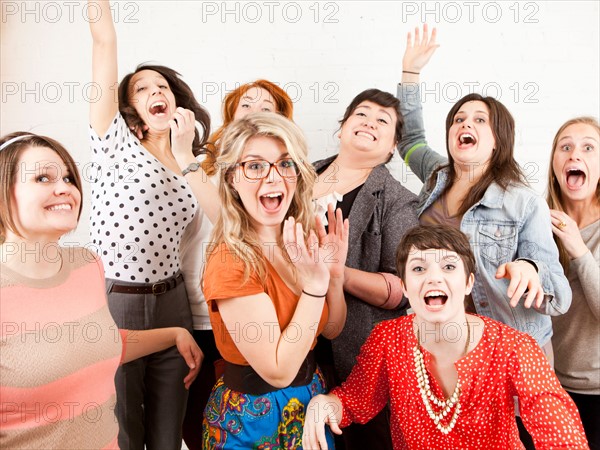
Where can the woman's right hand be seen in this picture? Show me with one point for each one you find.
(418, 54)
(308, 257)
(567, 231)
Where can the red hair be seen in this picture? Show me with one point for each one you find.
(283, 103)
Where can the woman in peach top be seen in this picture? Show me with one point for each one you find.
(60, 346)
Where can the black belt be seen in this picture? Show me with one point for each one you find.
(245, 379)
(160, 287)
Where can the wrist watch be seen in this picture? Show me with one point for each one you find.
(193, 167)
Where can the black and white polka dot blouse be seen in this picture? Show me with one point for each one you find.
(140, 208)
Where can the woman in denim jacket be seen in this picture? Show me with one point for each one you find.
(480, 189)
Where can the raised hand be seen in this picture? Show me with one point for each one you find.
(567, 231)
(334, 242)
(183, 128)
(308, 257)
(523, 276)
(419, 51)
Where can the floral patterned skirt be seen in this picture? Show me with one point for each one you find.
(233, 420)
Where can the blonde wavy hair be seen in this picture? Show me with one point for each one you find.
(233, 226)
(554, 197)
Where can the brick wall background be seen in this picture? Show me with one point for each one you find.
(539, 58)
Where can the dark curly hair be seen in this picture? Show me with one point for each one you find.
(184, 97)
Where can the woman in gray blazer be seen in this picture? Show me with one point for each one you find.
(380, 210)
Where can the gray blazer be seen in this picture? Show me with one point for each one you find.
(382, 211)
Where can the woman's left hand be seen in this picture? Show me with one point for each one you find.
(523, 277)
(334, 241)
(567, 231)
(183, 129)
(191, 353)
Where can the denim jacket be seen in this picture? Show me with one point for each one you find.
(505, 225)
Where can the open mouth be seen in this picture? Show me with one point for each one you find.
(467, 139)
(435, 298)
(575, 178)
(61, 207)
(271, 201)
(365, 134)
(158, 108)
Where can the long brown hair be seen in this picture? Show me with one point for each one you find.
(502, 169)
(9, 158)
(184, 98)
(554, 197)
(283, 103)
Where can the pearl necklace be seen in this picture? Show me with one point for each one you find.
(428, 397)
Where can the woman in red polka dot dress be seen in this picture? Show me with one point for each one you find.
(449, 377)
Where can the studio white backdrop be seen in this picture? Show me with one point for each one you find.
(540, 58)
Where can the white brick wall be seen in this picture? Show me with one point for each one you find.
(543, 56)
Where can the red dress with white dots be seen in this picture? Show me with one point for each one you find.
(505, 363)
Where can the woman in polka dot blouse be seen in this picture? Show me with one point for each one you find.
(141, 206)
(449, 377)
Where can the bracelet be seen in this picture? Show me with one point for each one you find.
(414, 73)
(313, 295)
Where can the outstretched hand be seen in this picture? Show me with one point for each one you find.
(419, 52)
(523, 277)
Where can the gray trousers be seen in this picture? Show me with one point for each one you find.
(151, 397)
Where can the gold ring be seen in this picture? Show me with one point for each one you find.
(562, 225)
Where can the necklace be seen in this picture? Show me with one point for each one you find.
(443, 407)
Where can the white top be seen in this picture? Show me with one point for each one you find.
(193, 249)
(140, 208)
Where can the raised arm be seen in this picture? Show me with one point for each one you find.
(104, 68)
(183, 125)
(335, 243)
(413, 146)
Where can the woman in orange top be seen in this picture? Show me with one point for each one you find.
(272, 285)
(257, 96)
